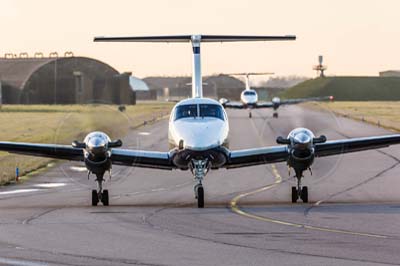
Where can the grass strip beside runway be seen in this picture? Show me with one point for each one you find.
(384, 114)
(62, 124)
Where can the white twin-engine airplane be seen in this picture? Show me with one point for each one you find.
(198, 135)
(249, 98)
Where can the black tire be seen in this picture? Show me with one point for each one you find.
(95, 198)
(200, 197)
(295, 196)
(304, 194)
(275, 115)
(250, 115)
(104, 197)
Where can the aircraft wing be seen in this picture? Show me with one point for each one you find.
(55, 151)
(334, 147)
(302, 100)
(249, 157)
(146, 159)
(275, 154)
(233, 105)
(264, 105)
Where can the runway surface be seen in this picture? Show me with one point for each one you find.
(353, 217)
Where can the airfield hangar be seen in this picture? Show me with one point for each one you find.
(62, 80)
(175, 88)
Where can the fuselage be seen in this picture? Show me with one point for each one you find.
(198, 128)
(249, 98)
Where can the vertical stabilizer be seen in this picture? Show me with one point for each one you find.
(247, 76)
(197, 84)
(247, 82)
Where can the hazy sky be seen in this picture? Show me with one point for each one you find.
(359, 37)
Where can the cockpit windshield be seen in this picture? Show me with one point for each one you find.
(249, 93)
(188, 110)
(206, 110)
(211, 110)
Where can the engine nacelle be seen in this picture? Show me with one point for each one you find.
(98, 166)
(96, 150)
(301, 143)
(223, 101)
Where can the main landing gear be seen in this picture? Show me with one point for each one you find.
(100, 194)
(199, 169)
(199, 195)
(299, 192)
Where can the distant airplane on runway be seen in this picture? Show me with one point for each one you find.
(198, 135)
(249, 98)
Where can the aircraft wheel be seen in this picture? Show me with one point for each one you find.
(104, 197)
(95, 198)
(250, 115)
(304, 194)
(295, 196)
(275, 115)
(200, 197)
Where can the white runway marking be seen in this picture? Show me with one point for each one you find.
(18, 191)
(144, 133)
(78, 168)
(21, 262)
(50, 185)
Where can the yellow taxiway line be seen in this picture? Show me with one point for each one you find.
(278, 179)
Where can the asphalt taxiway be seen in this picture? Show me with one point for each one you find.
(353, 217)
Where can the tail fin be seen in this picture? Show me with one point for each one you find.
(247, 76)
(197, 88)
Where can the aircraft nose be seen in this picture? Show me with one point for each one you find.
(201, 136)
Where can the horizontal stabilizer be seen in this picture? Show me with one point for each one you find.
(188, 38)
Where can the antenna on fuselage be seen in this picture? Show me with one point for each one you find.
(197, 85)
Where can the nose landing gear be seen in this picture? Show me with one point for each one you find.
(199, 169)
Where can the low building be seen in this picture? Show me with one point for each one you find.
(390, 73)
(141, 89)
(177, 88)
(63, 80)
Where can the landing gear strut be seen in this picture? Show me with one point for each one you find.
(100, 194)
(299, 191)
(199, 169)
